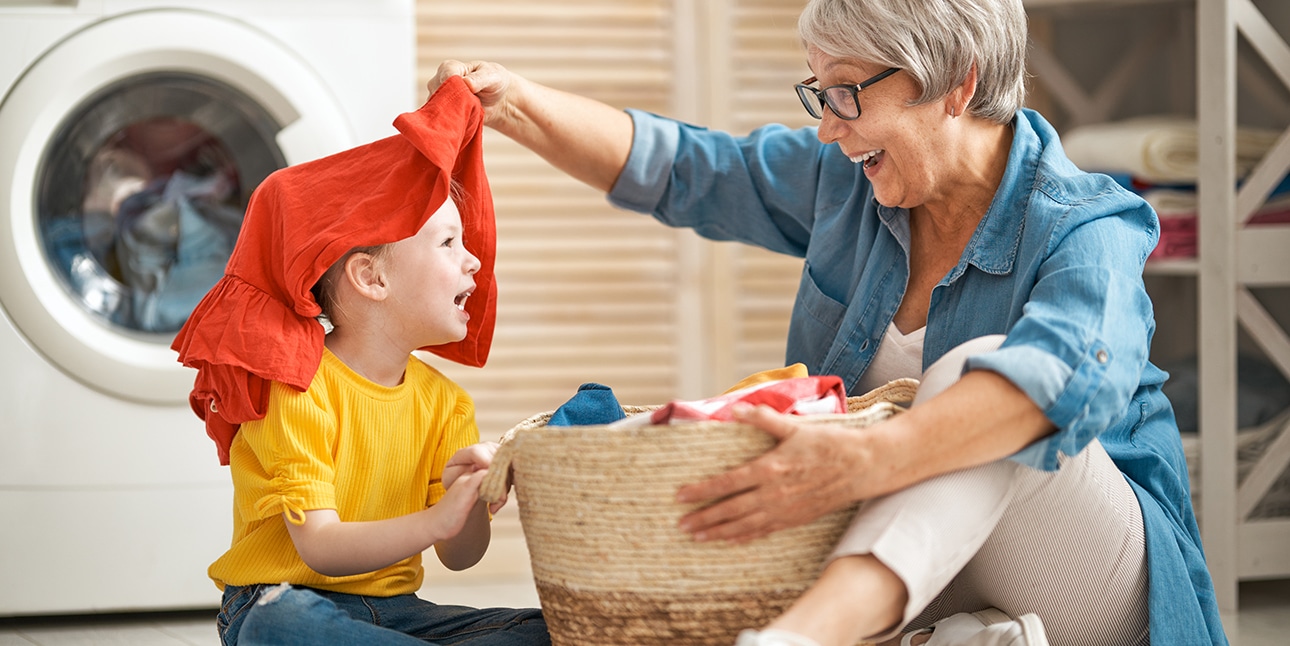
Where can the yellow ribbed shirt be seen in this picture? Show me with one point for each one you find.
(367, 451)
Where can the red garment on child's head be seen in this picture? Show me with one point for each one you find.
(258, 323)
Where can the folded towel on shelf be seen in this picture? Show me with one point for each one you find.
(1157, 149)
(1175, 202)
(1177, 211)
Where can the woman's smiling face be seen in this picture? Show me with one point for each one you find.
(896, 142)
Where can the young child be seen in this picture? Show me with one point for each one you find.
(349, 455)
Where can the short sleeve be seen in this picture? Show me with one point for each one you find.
(459, 432)
(284, 462)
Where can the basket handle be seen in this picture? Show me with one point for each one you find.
(497, 481)
(898, 391)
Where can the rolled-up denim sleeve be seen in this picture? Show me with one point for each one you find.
(641, 183)
(1082, 343)
(760, 189)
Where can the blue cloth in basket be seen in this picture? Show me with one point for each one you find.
(592, 404)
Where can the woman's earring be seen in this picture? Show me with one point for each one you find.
(953, 112)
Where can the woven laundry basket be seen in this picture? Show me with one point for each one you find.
(598, 509)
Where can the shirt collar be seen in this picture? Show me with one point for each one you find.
(993, 247)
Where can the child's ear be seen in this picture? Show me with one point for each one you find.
(363, 271)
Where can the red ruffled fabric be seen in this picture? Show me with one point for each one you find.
(258, 323)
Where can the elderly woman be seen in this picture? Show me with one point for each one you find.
(1045, 475)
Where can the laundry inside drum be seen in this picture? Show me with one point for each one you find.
(141, 195)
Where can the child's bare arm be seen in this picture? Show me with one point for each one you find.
(332, 547)
(468, 546)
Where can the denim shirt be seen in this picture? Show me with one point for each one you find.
(1055, 265)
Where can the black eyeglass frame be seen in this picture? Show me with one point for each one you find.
(822, 95)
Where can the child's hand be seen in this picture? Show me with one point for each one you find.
(472, 458)
(468, 460)
(452, 511)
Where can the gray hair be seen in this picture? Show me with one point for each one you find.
(934, 41)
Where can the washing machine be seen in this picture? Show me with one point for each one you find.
(131, 136)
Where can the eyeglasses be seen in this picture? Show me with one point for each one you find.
(843, 100)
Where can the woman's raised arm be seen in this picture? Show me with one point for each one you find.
(585, 138)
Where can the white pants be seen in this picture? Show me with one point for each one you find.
(1066, 545)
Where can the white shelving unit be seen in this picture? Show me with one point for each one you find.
(1232, 260)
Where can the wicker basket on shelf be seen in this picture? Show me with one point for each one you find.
(598, 509)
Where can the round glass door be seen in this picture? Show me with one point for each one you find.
(128, 151)
(141, 192)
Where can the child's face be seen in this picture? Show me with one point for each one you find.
(431, 274)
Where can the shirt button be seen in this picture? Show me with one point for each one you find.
(214, 408)
(1102, 356)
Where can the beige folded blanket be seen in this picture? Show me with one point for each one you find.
(1156, 149)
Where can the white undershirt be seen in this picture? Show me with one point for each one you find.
(899, 355)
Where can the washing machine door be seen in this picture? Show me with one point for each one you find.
(128, 152)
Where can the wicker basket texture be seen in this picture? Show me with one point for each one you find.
(597, 506)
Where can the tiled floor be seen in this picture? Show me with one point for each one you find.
(1264, 618)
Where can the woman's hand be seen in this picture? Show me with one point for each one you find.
(585, 138)
(489, 81)
(817, 469)
(814, 470)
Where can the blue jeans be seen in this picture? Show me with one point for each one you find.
(262, 615)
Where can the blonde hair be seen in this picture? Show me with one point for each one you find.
(936, 42)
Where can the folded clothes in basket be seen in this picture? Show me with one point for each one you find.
(797, 396)
(595, 404)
